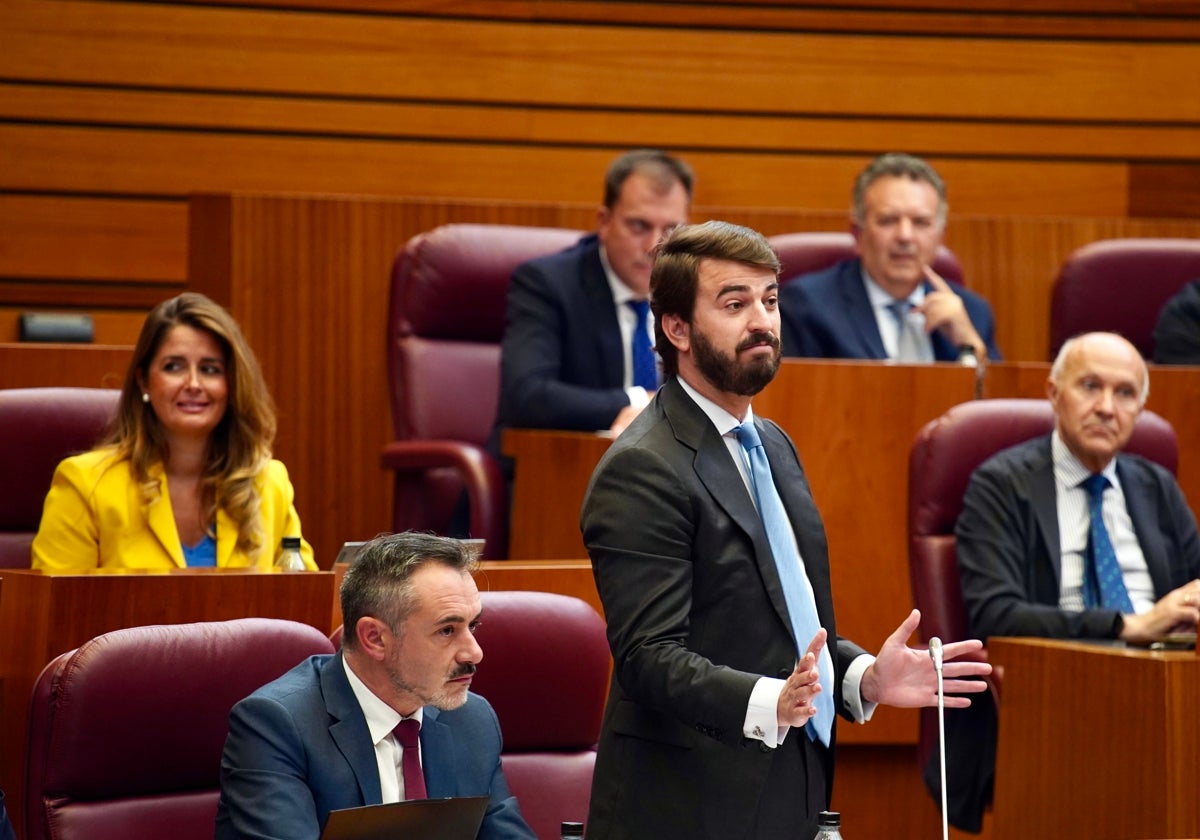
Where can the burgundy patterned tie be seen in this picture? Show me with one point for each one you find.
(408, 733)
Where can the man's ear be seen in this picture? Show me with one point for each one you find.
(678, 332)
(373, 637)
(1052, 393)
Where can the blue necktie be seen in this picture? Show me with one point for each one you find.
(801, 609)
(1103, 585)
(645, 368)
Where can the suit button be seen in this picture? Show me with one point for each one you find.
(784, 673)
(763, 748)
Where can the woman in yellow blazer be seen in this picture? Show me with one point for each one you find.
(185, 477)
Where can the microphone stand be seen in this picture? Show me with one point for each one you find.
(935, 653)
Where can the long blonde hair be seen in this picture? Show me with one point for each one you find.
(239, 448)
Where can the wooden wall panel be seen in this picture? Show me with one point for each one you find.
(92, 239)
(112, 113)
(626, 67)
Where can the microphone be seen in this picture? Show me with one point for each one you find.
(935, 653)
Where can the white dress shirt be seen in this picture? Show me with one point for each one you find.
(1075, 522)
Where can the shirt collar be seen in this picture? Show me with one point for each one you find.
(381, 718)
(720, 418)
(880, 298)
(621, 293)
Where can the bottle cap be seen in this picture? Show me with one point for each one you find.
(829, 818)
(291, 542)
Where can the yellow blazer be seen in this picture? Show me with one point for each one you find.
(95, 517)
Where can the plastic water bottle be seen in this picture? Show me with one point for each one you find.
(571, 831)
(289, 559)
(829, 825)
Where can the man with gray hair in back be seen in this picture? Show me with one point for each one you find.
(889, 303)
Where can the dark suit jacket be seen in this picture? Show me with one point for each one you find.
(1177, 334)
(1010, 561)
(562, 363)
(827, 315)
(299, 748)
(696, 615)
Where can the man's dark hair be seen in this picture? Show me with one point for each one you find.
(676, 273)
(663, 170)
(379, 582)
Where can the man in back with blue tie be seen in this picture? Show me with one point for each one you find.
(577, 352)
(710, 559)
(1065, 536)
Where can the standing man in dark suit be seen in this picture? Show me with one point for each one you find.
(889, 303)
(711, 563)
(1041, 552)
(567, 360)
(341, 731)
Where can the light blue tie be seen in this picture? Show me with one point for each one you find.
(645, 368)
(1103, 584)
(801, 609)
(908, 342)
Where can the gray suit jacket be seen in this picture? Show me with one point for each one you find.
(299, 748)
(696, 615)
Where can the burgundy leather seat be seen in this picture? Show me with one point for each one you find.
(447, 312)
(944, 455)
(1121, 286)
(41, 426)
(545, 670)
(809, 251)
(126, 731)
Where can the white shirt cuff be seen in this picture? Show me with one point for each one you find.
(852, 689)
(639, 397)
(762, 714)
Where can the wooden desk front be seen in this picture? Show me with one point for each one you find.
(42, 616)
(1096, 742)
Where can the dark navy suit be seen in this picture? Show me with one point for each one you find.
(827, 315)
(299, 748)
(562, 363)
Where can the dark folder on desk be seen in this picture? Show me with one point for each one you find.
(455, 818)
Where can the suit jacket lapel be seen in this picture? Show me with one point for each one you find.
(349, 730)
(161, 518)
(603, 309)
(437, 740)
(227, 534)
(1044, 500)
(1139, 495)
(859, 312)
(720, 476)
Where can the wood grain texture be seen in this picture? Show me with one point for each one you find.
(66, 365)
(1046, 738)
(596, 64)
